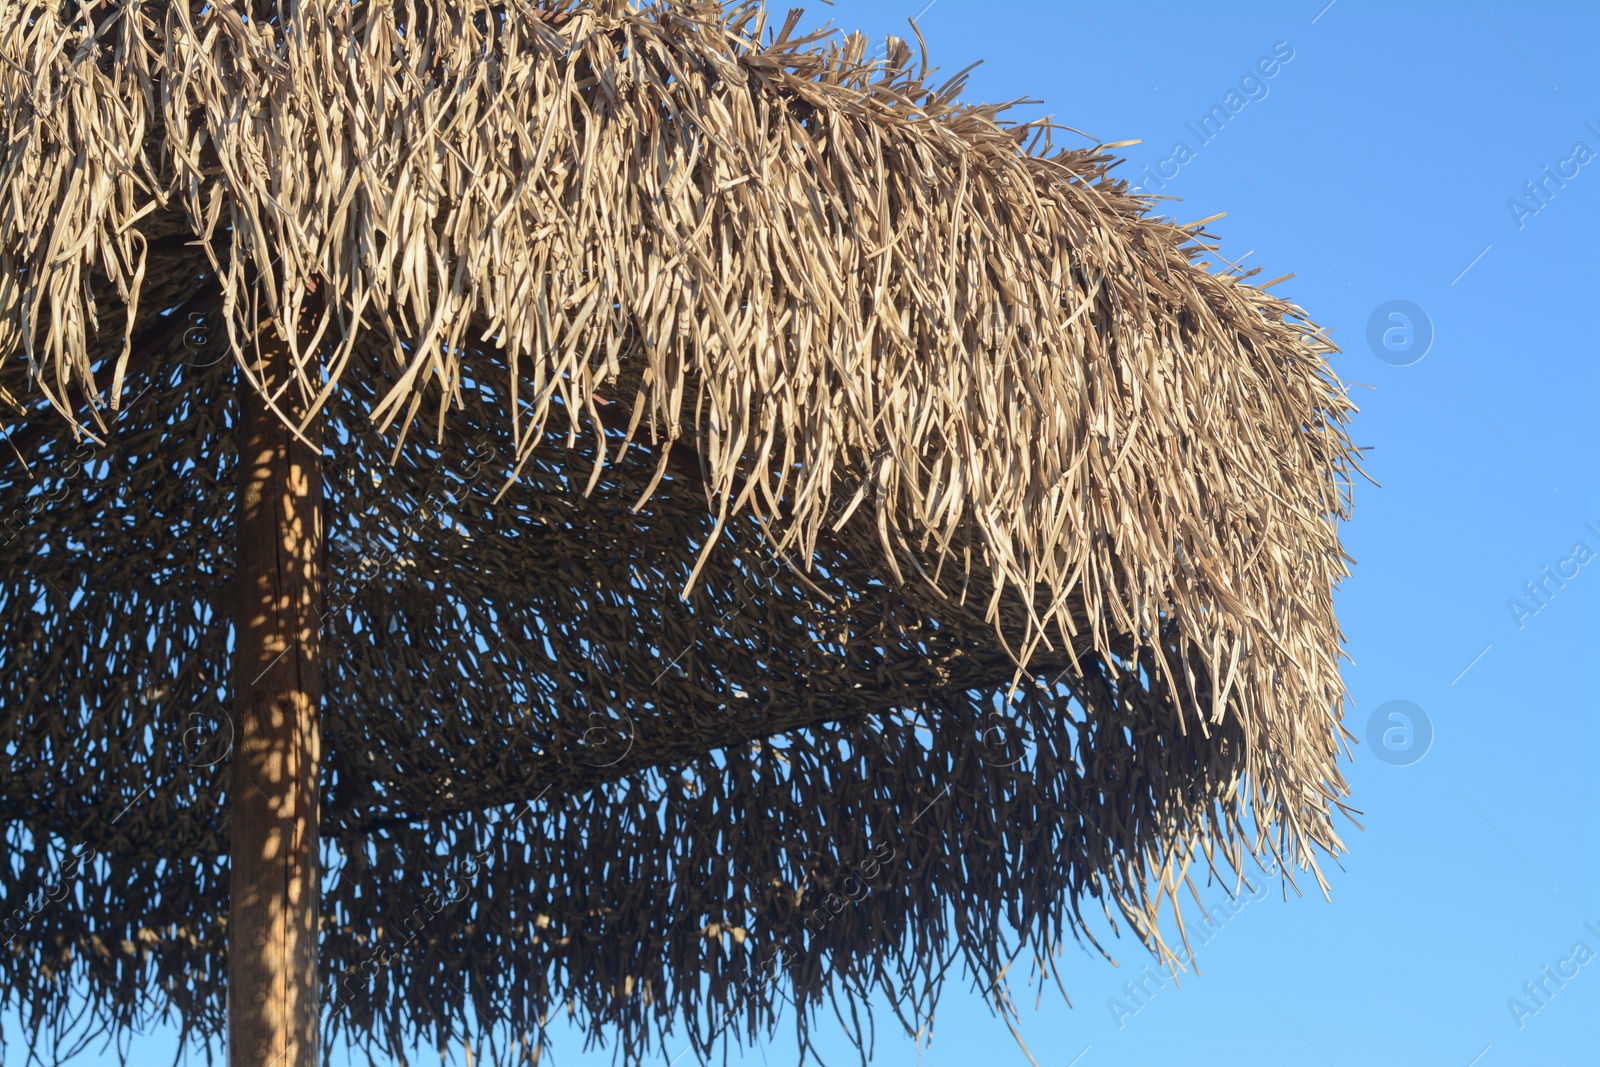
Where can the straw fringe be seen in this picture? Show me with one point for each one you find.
(893, 338)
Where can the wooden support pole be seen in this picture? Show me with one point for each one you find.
(273, 1019)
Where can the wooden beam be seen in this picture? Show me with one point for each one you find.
(273, 1020)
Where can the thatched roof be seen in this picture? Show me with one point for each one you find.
(620, 307)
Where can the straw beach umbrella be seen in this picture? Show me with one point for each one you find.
(632, 511)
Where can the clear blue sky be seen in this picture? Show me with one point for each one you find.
(1379, 163)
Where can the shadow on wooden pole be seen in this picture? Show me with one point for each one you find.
(272, 925)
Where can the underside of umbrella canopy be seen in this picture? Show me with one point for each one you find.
(780, 520)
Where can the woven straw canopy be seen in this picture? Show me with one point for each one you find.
(786, 529)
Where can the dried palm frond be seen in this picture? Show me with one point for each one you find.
(640, 301)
